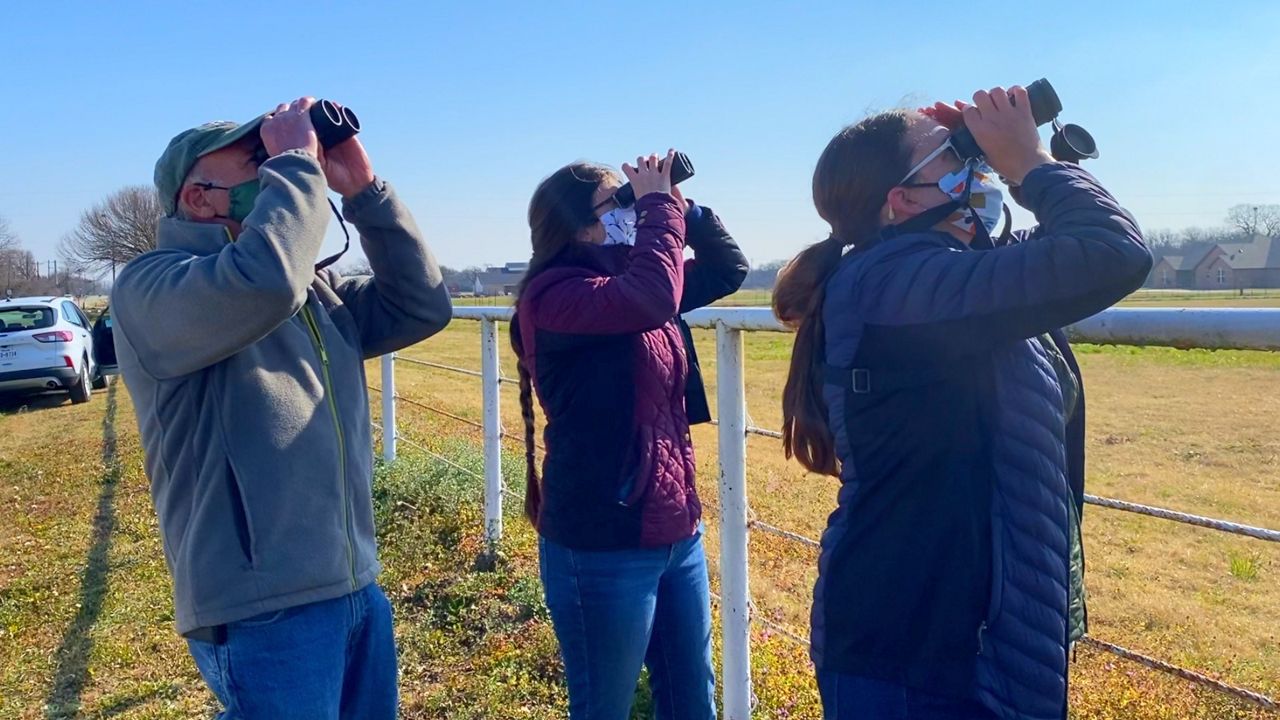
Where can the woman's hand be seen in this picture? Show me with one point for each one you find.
(646, 178)
(1002, 124)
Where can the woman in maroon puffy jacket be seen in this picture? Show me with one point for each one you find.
(599, 338)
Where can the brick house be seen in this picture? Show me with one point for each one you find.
(1219, 266)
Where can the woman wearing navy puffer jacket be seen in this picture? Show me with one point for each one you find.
(930, 374)
(599, 338)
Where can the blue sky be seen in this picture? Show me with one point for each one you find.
(467, 105)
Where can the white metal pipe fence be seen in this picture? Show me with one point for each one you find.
(1218, 328)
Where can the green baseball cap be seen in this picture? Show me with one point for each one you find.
(188, 147)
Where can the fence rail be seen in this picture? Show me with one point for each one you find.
(1218, 328)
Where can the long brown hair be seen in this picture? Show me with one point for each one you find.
(855, 173)
(560, 209)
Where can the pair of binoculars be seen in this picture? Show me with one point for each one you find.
(334, 123)
(1070, 143)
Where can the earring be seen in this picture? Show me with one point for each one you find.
(890, 213)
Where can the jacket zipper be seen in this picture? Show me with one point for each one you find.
(337, 424)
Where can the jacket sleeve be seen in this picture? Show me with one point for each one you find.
(183, 312)
(405, 301)
(1086, 255)
(644, 297)
(718, 266)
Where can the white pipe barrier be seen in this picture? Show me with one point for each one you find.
(1213, 328)
(389, 407)
(735, 603)
(490, 381)
(1218, 328)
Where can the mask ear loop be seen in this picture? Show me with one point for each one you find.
(347, 246)
(981, 237)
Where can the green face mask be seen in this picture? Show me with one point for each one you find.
(242, 198)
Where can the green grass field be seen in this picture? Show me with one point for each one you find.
(86, 620)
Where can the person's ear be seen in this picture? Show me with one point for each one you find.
(592, 234)
(197, 202)
(901, 204)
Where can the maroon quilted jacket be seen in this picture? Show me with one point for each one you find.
(602, 340)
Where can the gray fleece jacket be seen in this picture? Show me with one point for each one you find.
(246, 370)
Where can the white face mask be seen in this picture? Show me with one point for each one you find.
(619, 226)
(984, 197)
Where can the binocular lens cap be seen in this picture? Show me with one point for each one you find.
(1072, 143)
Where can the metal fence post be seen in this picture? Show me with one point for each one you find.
(490, 378)
(735, 608)
(389, 407)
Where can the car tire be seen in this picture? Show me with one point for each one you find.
(82, 389)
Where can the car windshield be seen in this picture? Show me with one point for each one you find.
(13, 319)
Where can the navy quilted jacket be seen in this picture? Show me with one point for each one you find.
(606, 347)
(946, 563)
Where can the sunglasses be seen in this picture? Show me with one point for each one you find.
(944, 147)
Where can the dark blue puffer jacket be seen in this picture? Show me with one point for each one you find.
(945, 565)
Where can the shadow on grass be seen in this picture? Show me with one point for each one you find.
(72, 658)
(14, 404)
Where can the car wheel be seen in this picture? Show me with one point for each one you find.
(82, 390)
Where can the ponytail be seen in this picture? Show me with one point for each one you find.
(797, 302)
(854, 175)
(532, 483)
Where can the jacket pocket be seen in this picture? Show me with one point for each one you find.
(638, 478)
(240, 516)
(996, 602)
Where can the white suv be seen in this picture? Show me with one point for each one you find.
(47, 343)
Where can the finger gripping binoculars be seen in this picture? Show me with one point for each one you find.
(681, 170)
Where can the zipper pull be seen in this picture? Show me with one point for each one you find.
(982, 627)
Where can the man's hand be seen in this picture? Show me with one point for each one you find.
(290, 128)
(347, 167)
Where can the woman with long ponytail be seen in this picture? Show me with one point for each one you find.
(603, 349)
(930, 375)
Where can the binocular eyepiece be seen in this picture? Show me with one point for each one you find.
(334, 123)
(1070, 143)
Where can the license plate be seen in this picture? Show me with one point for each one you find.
(8, 354)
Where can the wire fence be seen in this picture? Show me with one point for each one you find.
(765, 528)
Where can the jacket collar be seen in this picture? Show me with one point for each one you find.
(196, 238)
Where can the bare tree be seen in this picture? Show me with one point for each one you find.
(1254, 220)
(355, 268)
(114, 231)
(8, 238)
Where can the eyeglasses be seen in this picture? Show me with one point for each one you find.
(945, 146)
(611, 199)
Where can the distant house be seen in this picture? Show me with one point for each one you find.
(499, 280)
(1219, 266)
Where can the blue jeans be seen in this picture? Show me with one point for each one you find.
(323, 661)
(614, 611)
(852, 697)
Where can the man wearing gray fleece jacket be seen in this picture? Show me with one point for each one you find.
(245, 363)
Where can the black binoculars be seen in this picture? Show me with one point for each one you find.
(334, 123)
(681, 170)
(1070, 143)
